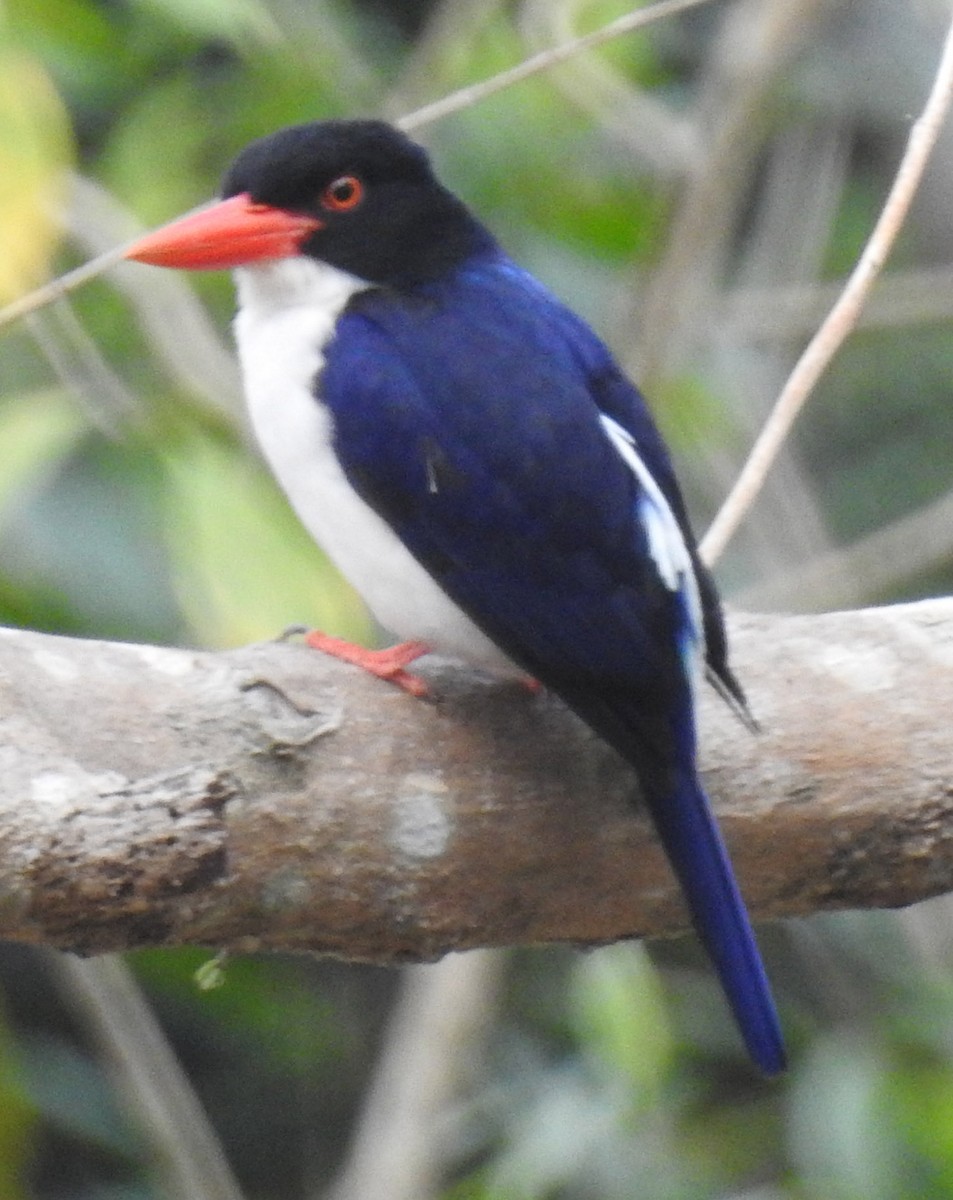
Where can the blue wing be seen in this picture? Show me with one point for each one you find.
(495, 434)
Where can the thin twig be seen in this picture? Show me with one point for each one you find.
(468, 96)
(450, 24)
(650, 128)
(755, 40)
(187, 1152)
(177, 326)
(56, 289)
(464, 98)
(400, 1147)
(842, 317)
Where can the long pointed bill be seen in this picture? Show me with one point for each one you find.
(229, 234)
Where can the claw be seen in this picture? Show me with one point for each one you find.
(386, 664)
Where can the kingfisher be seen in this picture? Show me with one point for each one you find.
(470, 455)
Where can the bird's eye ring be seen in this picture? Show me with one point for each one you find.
(342, 194)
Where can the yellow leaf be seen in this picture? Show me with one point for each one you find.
(35, 153)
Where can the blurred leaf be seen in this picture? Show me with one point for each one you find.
(843, 1143)
(36, 430)
(84, 537)
(620, 1014)
(72, 1095)
(921, 1102)
(689, 413)
(245, 567)
(77, 44)
(567, 180)
(18, 1121)
(878, 444)
(266, 999)
(34, 156)
(169, 118)
(634, 53)
(230, 20)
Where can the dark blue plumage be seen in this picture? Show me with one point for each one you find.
(468, 415)
(469, 453)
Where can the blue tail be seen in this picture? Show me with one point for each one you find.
(662, 749)
(698, 856)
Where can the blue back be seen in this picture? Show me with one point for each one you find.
(467, 414)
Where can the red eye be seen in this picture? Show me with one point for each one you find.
(342, 194)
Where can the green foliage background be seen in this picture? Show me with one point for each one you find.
(133, 506)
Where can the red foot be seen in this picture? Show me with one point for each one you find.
(385, 664)
(531, 685)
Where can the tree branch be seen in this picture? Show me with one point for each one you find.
(270, 798)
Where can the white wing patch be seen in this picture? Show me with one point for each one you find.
(666, 544)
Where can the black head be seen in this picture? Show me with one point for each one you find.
(384, 215)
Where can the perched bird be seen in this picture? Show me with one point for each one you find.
(467, 451)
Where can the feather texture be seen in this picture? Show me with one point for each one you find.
(468, 452)
(468, 416)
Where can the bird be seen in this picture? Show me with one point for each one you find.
(469, 453)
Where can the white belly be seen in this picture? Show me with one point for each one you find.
(288, 309)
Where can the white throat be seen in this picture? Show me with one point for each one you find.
(271, 288)
(288, 311)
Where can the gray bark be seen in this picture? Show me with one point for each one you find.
(272, 798)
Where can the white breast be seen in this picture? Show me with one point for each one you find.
(287, 313)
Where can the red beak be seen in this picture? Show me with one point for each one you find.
(229, 234)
